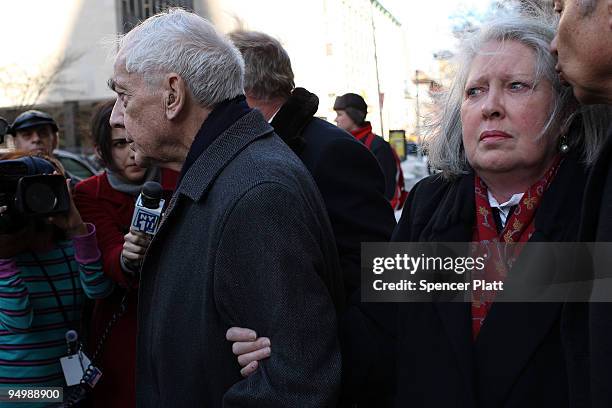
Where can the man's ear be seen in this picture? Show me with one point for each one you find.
(175, 95)
(609, 13)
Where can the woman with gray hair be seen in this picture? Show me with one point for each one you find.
(512, 152)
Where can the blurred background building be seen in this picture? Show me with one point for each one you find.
(57, 55)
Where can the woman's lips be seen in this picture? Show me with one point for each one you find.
(493, 135)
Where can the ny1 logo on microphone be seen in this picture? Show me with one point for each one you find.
(145, 221)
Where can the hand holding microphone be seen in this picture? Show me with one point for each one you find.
(145, 221)
(134, 247)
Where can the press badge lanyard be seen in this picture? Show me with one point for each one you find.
(76, 365)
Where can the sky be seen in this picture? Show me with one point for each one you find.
(431, 21)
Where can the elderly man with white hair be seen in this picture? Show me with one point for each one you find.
(245, 240)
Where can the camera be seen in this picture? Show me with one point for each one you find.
(4, 127)
(30, 190)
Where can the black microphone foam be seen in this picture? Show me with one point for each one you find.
(151, 194)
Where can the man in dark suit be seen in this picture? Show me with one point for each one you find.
(245, 240)
(347, 174)
(583, 45)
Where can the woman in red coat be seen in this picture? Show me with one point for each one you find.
(107, 200)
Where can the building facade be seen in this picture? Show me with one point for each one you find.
(61, 55)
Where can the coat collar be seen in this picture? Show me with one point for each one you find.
(202, 174)
(456, 210)
(221, 152)
(297, 112)
(223, 115)
(556, 217)
(455, 215)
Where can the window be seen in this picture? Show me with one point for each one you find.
(134, 11)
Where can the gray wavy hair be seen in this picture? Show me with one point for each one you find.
(444, 132)
(182, 42)
(268, 67)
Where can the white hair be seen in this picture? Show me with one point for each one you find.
(187, 44)
(444, 141)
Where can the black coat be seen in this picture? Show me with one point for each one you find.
(518, 360)
(383, 153)
(347, 175)
(596, 225)
(245, 242)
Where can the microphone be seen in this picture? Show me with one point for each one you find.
(148, 208)
(71, 339)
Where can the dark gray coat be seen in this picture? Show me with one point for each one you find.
(246, 242)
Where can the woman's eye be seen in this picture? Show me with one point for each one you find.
(518, 86)
(471, 92)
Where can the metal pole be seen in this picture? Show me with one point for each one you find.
(382, 130)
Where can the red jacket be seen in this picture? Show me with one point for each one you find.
(111, 212)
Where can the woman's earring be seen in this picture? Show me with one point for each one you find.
(563, 146)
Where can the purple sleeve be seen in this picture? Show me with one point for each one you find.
(8, 268)
(86, 249)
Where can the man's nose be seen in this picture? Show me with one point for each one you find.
(553, 45)
(116, 118)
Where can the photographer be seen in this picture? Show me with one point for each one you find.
(35, 132)
(47, 264)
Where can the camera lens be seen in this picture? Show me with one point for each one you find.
(40, 198)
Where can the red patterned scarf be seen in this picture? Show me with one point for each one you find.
(519, 228)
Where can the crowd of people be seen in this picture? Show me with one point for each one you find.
(249, 293)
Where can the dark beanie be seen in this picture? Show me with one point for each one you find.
(354, 106)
